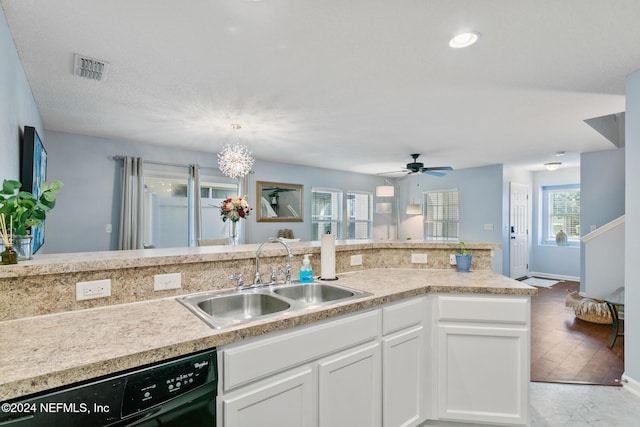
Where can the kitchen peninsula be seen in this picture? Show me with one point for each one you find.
(55, 340)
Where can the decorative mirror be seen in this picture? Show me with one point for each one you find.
(278, 202)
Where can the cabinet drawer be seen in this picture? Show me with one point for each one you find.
(244, 363)
(484, 309)
(403, 315)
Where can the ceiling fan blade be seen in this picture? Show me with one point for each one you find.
(434, 173)
(439, 168)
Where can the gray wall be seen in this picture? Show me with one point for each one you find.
(632, 226)
(480, 192)
(552, 260)
(17, 106)
(602, 176)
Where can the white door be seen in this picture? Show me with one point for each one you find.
(518, 231)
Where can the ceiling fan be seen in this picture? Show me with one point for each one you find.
(418, 167)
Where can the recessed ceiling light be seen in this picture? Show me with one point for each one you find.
(464, 40)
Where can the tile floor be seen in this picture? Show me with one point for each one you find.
(576, 405)
(572, 405)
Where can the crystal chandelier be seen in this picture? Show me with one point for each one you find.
(235, 160)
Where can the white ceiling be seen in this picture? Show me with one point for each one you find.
(353, 85)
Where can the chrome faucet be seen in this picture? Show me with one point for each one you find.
(257, 280)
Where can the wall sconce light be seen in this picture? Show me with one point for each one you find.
(384, 208)
(385, 191)
(551, 166)
(413, 209)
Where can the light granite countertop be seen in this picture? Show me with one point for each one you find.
(43, 352)
(113, 260)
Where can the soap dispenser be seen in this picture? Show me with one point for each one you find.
(306, 275)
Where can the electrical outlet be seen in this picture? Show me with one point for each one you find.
(93, 289)
(418, 258)
(356, 260)
(452, 259)
(162, 282)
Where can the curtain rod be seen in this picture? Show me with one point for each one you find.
(121, 157)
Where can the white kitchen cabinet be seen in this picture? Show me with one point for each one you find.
(404, 363)
(284, 401)
(403, 368)
(349, 388)
(282, 379)
(482, 363)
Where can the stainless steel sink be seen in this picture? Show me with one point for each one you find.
(314, 293)
(243, 306)
(229, 309)
(222, 309)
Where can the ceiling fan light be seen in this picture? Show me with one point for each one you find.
(551, 166)
(385, 191)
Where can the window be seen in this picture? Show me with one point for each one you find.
(326, 212)
(167, 215)
(561, 212)
(441, 215)
(170, 205)
(359, 215)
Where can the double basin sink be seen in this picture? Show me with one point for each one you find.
(222, 309)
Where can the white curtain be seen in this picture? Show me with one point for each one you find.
(131, 206)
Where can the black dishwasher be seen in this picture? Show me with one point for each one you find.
(176, 393)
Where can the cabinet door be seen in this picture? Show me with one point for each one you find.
(349, 388)
(483, 374)
(403, 368)
(283, 402)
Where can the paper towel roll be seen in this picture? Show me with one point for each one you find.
(328, 257)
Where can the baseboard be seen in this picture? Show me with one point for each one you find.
(631, 385)
(553, 276)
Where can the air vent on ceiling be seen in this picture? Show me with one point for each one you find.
(90, 68)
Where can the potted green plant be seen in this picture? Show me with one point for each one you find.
(463, 259)
(23, 210)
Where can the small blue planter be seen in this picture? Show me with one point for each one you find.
(463, 263)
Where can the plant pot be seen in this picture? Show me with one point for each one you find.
(22, 246)
(463, 263)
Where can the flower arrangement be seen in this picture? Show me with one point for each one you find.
(235, 208)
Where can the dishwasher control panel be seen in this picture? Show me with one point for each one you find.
(147, 389)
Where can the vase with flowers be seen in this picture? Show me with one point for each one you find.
(233, 210)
